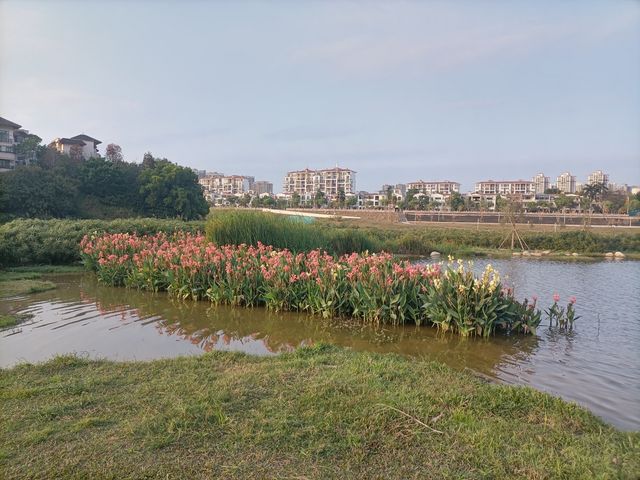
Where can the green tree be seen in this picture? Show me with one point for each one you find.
(29, 149)
(36, 192)
(456, 202)
(114, 184)
(169, 190)
(244, 200)
(319, 199)
(563, 202)
(295, 200)
(594, 192)
(148, 161)
(342, 197)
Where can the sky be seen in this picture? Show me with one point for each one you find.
(398, 91)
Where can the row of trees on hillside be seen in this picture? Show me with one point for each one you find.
(60, 186)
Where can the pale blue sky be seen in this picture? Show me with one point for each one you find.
(459, 90)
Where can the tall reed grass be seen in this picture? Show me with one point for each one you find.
(237, 227)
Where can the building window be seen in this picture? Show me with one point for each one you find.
(7, 149)
(4, 136)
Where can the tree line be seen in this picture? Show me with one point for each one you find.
(62, 186)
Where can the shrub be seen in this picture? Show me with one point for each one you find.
(28, 242)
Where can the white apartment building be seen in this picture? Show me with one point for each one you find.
(540, 184)
(218, 185)
(370, 200)
(598, 177)
(398, 191)
(81, 146)
(329, 181)
(505, 187)
(8, 157)
(445, 187)
(566, 183)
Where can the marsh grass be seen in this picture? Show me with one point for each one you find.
(236, 227)
(320, 412)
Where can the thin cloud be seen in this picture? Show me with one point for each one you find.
(434, 49)
(309, 133)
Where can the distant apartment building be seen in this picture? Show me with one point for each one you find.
(11, 136)
(566, 183)
(8, 156)
(540, 184)
(81, 146)
(398, 191)
(445, 188)
(330, 181)
(370, 200)
(505, 187)
(598, 177)
(218, 185)
(262, 187)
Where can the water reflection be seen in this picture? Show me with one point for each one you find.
(81, 302)
(597, 365)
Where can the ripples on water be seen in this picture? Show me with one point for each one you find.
(597, 365)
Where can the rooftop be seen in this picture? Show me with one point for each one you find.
(70, 141)
(505, 181)
(7, 123)
(82, 136)
(437, 182)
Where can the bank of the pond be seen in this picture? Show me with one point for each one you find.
(29, 241)
(320, 412)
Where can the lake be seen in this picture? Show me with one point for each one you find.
(596, 365)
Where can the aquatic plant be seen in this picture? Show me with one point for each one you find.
(373, 287)
(560, 317)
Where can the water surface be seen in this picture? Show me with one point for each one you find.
(597, 365)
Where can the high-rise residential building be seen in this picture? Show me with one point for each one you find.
(505, 187)
(598, 177)
(330, 181)
(540, 183)
(219, 185)
(445, 187)
(261, 187)
(566, 183)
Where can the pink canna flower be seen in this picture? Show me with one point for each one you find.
(572, 300)
(556, 297)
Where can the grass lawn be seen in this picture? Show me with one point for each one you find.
(321, 412)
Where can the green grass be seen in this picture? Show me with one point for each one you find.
(320, 412)
(462, 241)
(235, 227)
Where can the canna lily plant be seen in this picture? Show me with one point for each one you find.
(373, 287)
